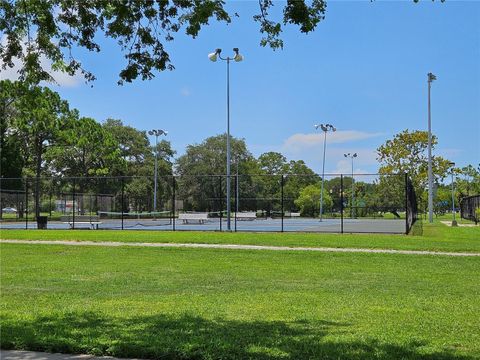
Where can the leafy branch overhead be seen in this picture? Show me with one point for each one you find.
(33, 30)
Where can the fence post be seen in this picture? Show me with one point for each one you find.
(173, 202)
(73, 204)
(236, 200)
(221, 207)
(281, 183)
(121, 200)
(341, 203)
(26, 203)
(406, 204)
(50, 201)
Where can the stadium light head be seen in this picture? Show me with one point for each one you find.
(157, 132)
(213, 56)
(355, 155)
(431, 77)
(238, 57)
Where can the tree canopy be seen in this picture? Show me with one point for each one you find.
(406, 153)
(142, 28)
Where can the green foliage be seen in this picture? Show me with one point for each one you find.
(443, 200)
(467, 181)
(46, 206)
(11, 161)
(84, 148)
(309, 200)
(36, 116)
(134, 145)
(407, 153)
(196, 186)
(53, 28)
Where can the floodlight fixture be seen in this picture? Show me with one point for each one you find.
(238, 57)
(213, 56)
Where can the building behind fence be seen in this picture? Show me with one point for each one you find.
(365, 203)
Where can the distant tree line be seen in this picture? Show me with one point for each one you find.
(42, 137)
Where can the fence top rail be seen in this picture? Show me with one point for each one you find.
(470, 197)
(62, 178)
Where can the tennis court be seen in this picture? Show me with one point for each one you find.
(367, 204)
(217, 224)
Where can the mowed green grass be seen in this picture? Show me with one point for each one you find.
(238, 304)
(436, 237)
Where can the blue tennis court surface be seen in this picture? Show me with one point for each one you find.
(261, 225)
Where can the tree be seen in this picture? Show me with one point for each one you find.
(298, 176)
(272, 163)
(406, 153)
(10, 148)
(40, 115)
(202, 169)
(309, 200)
(84, 149)
(468, 181)
(443, 200)
(141, 29)
(134, 147)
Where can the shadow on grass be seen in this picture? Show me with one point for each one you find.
(193, 337)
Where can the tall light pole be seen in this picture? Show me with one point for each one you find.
(237, 57)
(351, 156)
(325, 128)
(454, 222)
(431, 78)
(237, 193)
(157, 133)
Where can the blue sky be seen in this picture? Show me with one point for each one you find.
(364, 70)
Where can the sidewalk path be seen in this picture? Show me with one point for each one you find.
(238, 247)
(32, 355)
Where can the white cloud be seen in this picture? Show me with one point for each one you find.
(301, 142)
(61, 78)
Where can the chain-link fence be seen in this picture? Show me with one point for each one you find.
(470, 208)
(367, 203)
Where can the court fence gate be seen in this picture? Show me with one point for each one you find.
(362, 203)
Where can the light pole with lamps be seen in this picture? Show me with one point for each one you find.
(237, 57)
(325, 128)
(157, 133)
(454, 221)
(431, 78)
(351, 156)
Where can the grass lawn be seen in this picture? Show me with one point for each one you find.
(238, 304)
(436, 237)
